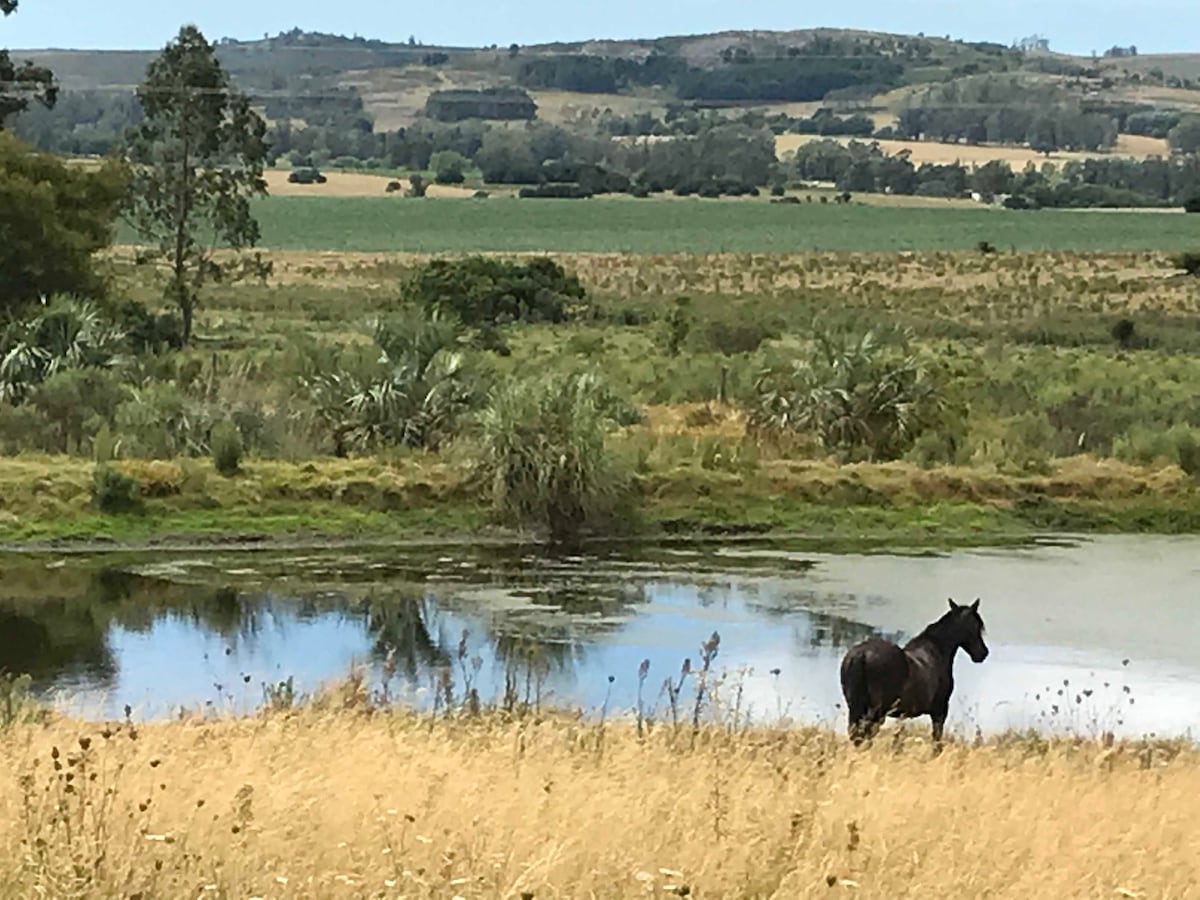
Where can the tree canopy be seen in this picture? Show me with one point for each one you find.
(197, 161)
(20, 83)
(53, 217)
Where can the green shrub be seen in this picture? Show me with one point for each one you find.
(23, 428)
(115, 492)
(75, 403)
(479, 290)
(17, 704)
(421, 386)
(160, 421)
(544, 458)
(732, 336)
(1148, 445)
(226, 442)
(860, 397)
(677, 324)
(449, 167)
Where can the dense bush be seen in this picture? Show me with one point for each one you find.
(543, 456)
(65, 334)
(860, 397)
(115, 492)
(480, 290)
(226, 442)
(555, 192)
(449, 167)
(420, 389)
(736, 335)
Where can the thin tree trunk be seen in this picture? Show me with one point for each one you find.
(182, 204)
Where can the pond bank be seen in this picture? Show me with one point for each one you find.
(46, 503)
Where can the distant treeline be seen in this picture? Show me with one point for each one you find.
(702, 151)
(1101, 182)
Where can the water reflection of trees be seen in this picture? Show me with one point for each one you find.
(61, 628)
(838, 632)
(406, 626)
(56, 622)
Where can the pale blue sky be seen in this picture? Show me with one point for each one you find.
(1075, 26)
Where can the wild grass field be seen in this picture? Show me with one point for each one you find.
(343, 799)
(660, 226)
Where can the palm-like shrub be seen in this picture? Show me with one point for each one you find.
(66, 334)
(543, 455)
(862, 397)
(416, 397)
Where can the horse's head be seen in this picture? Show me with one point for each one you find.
(967, 630)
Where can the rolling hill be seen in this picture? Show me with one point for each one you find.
(395, 80)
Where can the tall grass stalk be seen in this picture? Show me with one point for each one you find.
(544, 459)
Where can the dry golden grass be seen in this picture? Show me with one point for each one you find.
(1017, 157)
(361, 184)
(340, 184)
(340, 803)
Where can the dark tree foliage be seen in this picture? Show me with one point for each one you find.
(22, 82)
(588, 74)
(53, 217)
(490, 103)
(799, 79)
(484, 291)
(1102, 182)
(81, 123)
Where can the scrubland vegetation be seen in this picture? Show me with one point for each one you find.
(983, 394)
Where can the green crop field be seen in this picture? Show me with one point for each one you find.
(697, 226)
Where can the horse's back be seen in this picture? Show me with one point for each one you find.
(875, 651)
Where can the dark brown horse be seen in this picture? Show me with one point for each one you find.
(880, 679)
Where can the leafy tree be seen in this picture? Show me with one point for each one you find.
(505, 157)
(53, 217)
(1043, 137)
(197, 162)
(449, 167)
(1185, 137)
(21, 83)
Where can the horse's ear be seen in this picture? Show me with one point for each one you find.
(953, 605)
(975, 605)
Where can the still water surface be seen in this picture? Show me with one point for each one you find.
(1085, 636)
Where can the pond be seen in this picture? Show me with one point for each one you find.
(1086, 635)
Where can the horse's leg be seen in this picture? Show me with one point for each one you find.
(863, 726)
(939, 723)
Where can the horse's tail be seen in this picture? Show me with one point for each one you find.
(854, 688)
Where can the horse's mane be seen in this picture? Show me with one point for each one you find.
(935, 630)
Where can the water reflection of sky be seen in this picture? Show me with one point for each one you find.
(765, 624)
